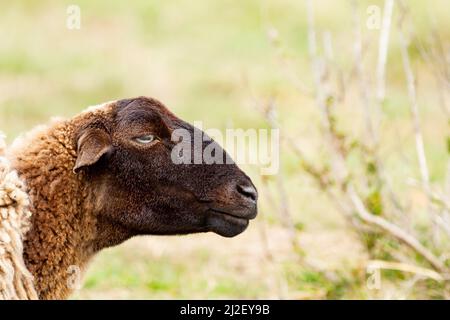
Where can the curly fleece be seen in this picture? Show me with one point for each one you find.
(62, 237)
(16, 281)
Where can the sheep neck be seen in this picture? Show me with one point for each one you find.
(63, 234)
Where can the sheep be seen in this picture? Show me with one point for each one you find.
(15, 280)
(106, 175)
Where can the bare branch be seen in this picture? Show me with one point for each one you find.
(383, 48)
(423, 272)
(414, 108)
(364, 92)
(394, 230)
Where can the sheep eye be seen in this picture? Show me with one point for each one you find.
(145, 139)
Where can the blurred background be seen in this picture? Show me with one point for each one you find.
(359, 209)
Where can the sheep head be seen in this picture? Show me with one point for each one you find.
(137, 188)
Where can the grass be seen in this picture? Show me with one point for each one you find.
(210, 61)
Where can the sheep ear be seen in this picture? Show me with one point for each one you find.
(92, 145)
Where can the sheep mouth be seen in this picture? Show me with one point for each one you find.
(240, 212)
(225, 223)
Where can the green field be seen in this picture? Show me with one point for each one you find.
(215, 61)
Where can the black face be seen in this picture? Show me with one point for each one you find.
(144, 191)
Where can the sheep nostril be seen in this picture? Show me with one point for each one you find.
(248, 191)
